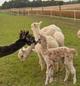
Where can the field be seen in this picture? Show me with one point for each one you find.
(13, 72)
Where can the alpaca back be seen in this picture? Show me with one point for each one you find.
(50, 30)
(60, 53)
(51, 42)
(59, 36)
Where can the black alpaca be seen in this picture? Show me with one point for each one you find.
(24, 38)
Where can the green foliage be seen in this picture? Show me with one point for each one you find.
(27, 3)
(16, 73)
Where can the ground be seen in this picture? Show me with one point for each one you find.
(13, 72)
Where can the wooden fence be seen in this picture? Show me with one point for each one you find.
(75, 14)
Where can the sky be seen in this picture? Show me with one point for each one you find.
(2, 1)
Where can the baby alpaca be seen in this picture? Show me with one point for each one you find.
(25, 52)
(55, 55)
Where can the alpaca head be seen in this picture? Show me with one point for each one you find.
(22, 54)
(35, 27)
(25, 52)
(27, 37)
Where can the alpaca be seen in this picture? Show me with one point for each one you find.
(55, 55)
(51, 30)
(25, 52)
(24, 38)
(78, 34)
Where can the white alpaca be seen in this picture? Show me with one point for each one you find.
(78, 34)
(55, 55)
(51, 30)
(25, 52)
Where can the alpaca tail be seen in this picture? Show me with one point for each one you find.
(73, 51)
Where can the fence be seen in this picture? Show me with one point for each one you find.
(75, 14)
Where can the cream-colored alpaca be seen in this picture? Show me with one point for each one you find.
(78, 34)
(55, 55)
(51, 30)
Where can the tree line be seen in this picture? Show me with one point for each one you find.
(34, 3)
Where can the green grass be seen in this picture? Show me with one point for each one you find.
(28, 73)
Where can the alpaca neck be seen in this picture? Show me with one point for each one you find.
(36, 33)
(29, 49)
(6, 50)
(43, 47)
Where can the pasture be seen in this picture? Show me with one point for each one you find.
(13, 72)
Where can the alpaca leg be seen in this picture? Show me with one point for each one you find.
(49, 71)
(56, 67)
(61, 66)
(67, 74)
(47, 77)
(73, 72)
(41, 61)
(49, 74)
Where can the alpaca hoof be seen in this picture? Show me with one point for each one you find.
(74, 82)
(51, 80)
(65, 80)
(46, 83)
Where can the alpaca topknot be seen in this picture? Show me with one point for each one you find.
(27, 37)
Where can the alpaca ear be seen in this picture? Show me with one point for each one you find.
(21, 31)
(27, 32)
(23, 48)
(34, 25)
(40, 22)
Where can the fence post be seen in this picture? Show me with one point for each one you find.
(28, 12)
(51, 13)
(74, 15)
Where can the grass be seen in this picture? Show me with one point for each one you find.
(28, 73)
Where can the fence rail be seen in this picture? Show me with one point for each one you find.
(75, 14)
